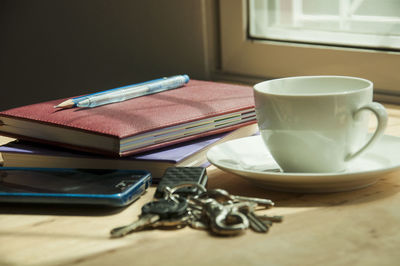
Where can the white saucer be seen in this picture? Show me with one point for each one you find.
(249, 158)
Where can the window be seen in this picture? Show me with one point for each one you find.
(262, 39)
(357, 23)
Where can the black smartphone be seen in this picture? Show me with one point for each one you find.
(72, 186)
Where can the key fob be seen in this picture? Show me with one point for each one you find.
(166, 208)
(179, 175)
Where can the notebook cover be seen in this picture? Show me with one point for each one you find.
(194, 101)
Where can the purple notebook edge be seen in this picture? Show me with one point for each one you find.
(174, 153)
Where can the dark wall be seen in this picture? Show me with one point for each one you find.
(54, 49)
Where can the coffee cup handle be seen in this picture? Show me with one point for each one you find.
(381, 115)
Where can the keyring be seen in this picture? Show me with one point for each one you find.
(187, 184)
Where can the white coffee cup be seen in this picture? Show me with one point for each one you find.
(317, 123)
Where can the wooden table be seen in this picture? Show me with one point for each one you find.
(360, 227)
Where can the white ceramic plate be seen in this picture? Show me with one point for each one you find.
(249, 158)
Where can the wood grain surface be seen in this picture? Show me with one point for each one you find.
(360, 227)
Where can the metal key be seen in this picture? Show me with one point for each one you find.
(172, 223)
(222, 195)
(197, 216)
(260, 201)
(272, 219)
(258, 225)
(223, 219)
(153, 212)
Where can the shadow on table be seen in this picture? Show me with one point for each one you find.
(387, 186)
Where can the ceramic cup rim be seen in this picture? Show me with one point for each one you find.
(259, 86)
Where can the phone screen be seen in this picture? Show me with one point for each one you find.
(67, 181)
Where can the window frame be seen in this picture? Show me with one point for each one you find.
(261, 59)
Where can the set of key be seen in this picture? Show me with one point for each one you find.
(214, 209)
(236, 211)
(164, 212)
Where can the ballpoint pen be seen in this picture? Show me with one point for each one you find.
(72, 102)
(126, 92)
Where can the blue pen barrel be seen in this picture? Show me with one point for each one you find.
(128, 92)
(166, 85)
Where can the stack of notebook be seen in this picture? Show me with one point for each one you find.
(174, 127)
(190, 153)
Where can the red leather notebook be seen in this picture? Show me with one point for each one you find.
(198, 109)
